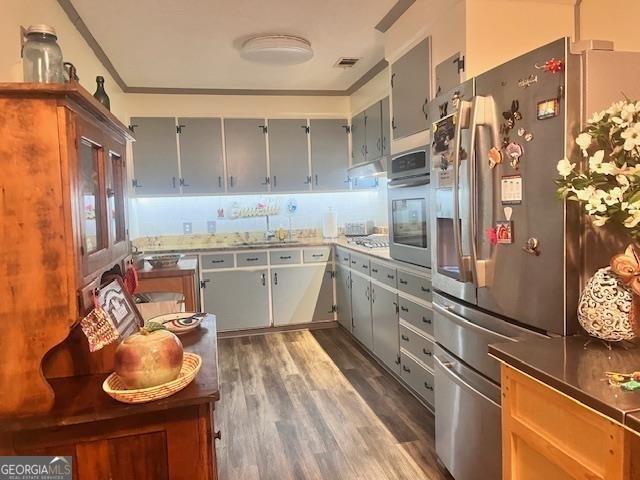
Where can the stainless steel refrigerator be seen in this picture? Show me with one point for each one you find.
(507, 254)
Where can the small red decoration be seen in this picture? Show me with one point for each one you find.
(552, 66)
(492, 235)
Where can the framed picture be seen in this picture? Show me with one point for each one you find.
(119, 306)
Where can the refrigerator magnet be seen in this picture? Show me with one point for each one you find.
(495, 157)
(504, 232)
(511, 190)
(514, 152)
(548, 109)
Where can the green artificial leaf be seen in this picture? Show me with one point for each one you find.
(631, 385)
(151, 327)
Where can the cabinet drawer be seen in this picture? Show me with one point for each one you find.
(316, 255)
(421, 347)
(217, 260)
(343, 256)
(284, 257)
(249, 259)
(360, 263)
(417, 377)
(384, 274)
(417, 315)
(414, 285)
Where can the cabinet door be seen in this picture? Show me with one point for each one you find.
(358, 139)
(246, 150)
(92, 197)
(201, 160)
(361, 309)
(384, 312)
(448, 74)
(116, 190)
(289, 155)
(325, 303)
(386, 127)
(410, 88)
(295, 292)
(373, 132)
(343, 296)
(329, 154)
(238, 298)
(155, 156)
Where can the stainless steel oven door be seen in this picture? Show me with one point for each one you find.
(468, 423)
(409, 232)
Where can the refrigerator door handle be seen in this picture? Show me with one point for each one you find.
(463, 322)
(462, 122)
(446, 369)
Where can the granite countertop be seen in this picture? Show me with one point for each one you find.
(382, 253)
(565, 364)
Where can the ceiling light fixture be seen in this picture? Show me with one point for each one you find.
(277, 49)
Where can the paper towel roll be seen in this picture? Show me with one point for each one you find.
(330, 224)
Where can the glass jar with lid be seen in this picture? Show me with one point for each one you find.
(41, 56)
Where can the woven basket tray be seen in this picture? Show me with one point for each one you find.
(191, 364)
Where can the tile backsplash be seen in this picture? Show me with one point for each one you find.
(232, 213)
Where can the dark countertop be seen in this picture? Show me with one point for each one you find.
(566, 365)
(184, 267)
(81, 399)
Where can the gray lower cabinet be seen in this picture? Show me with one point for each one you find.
(295, 291)
(410, 90)
(201, 159)
(155, 156)
(361, 309)
(358, 139)
(384, 313)
(373, 132)
(289, 155)
(325, 306)
(419, 378)
(343, 296)
(238, 298)
(246, 151)
(329, 154)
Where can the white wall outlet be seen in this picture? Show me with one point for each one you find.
(211, 226)
(187, 228)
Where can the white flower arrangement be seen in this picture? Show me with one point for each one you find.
(609, 186)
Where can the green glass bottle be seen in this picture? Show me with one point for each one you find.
(100, 94)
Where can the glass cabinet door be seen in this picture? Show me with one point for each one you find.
(116, 197)
(93, 234)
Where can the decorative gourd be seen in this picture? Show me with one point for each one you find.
(151, 357)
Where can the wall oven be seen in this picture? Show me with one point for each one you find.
(408, 192)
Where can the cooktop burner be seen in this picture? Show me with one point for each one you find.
(377, 240)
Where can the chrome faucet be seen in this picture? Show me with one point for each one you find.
(269, 234)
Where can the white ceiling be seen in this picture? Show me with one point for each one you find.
(194, 43)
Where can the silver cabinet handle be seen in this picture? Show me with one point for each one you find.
(451, 315)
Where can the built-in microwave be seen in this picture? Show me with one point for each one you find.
(409, 235)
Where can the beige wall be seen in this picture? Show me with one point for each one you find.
(139, 104)
(375, 89)
(14, 13)
(498, 30)
(615, 20)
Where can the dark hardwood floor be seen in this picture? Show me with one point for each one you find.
(314, 405)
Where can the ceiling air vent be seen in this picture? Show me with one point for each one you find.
(346, 62)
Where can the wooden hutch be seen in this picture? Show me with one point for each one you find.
(63, 226)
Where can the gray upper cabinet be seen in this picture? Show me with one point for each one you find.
(358, 139)
(411, 89)
(239, 298)
(384, 313)
(324, 305)
(246, 155)
(448, 73)
(295, 292)
(361, 309)
(373, 132)
(201, 159)
(343, 296)
(386, 126)
(289, 155)
(329, 154)
(155, 156)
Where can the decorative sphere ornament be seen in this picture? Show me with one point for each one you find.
(605, 307)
